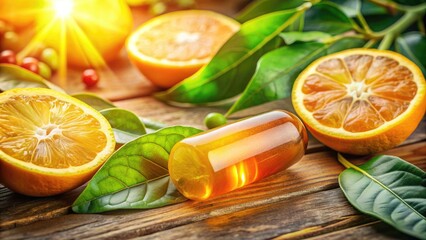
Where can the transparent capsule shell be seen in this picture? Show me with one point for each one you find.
(234, 155)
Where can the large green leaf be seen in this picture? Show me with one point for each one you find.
(261, 7)
(350, 7)
(278, 69)
(345, 43)
(327, 17)
(136, 176)
(125, 124)
(389, 188)
(94, 101)
(410, 2)
(380, 22)
(413, 46)
(13, 76)
(276, 72)
(231, 68)
(292, 37)
(369, 8)
(100, 104)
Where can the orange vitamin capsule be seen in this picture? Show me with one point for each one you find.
(234, 155)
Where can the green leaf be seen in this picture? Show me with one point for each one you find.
(345, 43)
(261, 7)
(327, 17)
(350, 7)
(94, 101)
(410, 2)
(125, 124)
(388, 188)
(292, 37)
(13, 76)
(378, 23)
(100, 104)
(413, 46)
(136, 176)
(276, 72)
(369, 8)
(231, 68)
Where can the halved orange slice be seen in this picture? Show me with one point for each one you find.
(173, 46)
(361, 101)
(50, 142)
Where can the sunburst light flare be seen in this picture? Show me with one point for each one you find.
(86, 34)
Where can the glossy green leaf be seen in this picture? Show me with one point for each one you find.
(410, 2)
(94, 101)
(13, 76)
(136, 176)
(350, 7)
(100, 104)
(388, 188)
(231, 68)
(125, 124)
(413, 46)
(276, 72)
(278, 69)
(369, 8)
(327, 17)
(378, 23)
(261, 7)
(292, 37)
(345, 43)
(151, 125)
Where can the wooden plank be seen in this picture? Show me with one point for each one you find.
(313, 179)
(296, 218)
(372, 230)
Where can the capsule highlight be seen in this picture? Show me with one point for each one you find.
(234, 155)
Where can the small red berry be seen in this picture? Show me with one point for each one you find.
(31, 64)
(8, 56)
(90, 78)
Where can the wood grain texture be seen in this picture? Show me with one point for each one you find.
(303, 200)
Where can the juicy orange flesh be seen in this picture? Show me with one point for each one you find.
(49, 132)
(358, 93)
(184, 38)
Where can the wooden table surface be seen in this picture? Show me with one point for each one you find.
(304, 201)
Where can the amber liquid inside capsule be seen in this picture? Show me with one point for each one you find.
(232, 156)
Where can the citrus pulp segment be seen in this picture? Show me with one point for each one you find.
(361, 101)
(50, 142)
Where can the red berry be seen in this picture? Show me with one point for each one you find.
(90, 78)
(8, 56)
(31, 64)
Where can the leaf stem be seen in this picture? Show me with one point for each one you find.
(364, 23)
(393, 6)
(333, 39)
(370, 43)
(387, 41)
(404, 22)
(345, 162)
(421, 26)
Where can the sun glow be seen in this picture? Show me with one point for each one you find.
(74, 29)
(63, 8)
